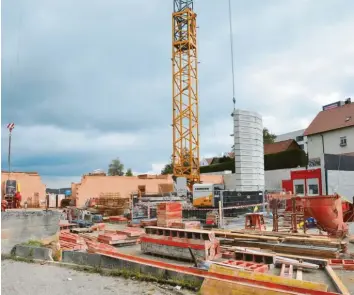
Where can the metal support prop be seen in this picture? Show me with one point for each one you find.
(293, 216)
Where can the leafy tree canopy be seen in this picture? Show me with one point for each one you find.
(116, 168)
(129, 172)
(268, 137)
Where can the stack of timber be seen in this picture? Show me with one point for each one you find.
(299, 244)
(169, 213)
(109, 204)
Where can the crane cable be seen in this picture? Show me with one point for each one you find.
(232, 56)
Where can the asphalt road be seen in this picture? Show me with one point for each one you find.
(18, 278)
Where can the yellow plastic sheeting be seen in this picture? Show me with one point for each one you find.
(217, 287)
(263, 277)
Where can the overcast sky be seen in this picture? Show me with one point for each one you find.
(86, 81)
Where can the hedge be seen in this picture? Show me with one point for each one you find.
(282, 160)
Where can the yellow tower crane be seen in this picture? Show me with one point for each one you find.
(185, 123)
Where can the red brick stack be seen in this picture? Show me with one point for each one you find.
(168, 213)
(187, 225)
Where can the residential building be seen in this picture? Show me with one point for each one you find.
(280, 146)
(331, 131)
(298, 136)
(205, 161)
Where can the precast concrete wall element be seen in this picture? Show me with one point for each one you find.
(175, 243)
(107, 262)
(31, 252)
(342, 183)
(21, 226)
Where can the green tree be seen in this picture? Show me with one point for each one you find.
(129, 172)
(168, 169)
(116, 168)
(268, 137)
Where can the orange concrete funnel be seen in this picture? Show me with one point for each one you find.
(327, 210)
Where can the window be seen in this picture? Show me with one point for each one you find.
(300, 138)
(343, 141)
(301, 146)
(313, 189)
(299, 189)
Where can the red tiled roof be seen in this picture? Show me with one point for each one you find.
(209, 160)
(280, 146)
(332, 119)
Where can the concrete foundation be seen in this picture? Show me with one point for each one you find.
(21, 226)
(31, 252)
(101, 261)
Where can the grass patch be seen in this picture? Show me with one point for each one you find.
(33, 243)
(137, 275)
(16, 258)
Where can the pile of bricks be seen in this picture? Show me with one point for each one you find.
(94, 247)
(148, 222)
(169, 213)
(111, 238)
(251, 266)
(186, 225)
(347, 264)
(98, 227)
(72, 242)
(118, 219)
(131, 232)
(128, 235)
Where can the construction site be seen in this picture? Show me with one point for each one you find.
(245, 231)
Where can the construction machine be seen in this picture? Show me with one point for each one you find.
(10, 188)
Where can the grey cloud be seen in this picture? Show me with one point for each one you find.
(105, 65)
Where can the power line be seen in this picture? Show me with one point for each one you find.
(232, 56)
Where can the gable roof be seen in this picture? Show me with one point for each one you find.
(332, 119)
(280, 146)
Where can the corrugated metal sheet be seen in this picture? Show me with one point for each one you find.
(341, 182)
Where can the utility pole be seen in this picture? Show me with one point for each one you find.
(10, 127)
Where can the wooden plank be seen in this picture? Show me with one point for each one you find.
(237, 235)
(337, 281)
(291, 249)
(263, 277)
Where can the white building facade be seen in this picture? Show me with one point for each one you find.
(336, 142)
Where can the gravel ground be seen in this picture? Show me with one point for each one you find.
(18, 278)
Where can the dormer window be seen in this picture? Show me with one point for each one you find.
(343, 141)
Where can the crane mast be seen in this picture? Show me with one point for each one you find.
(185, 123)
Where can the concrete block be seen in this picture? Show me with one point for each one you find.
(20, 226)
(31, 252)
(81, 258)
